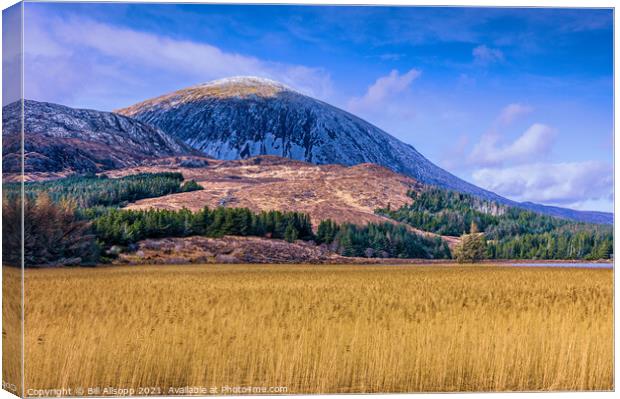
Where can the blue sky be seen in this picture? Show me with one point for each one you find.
(519, 101)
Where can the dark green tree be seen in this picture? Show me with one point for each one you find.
(291, 233)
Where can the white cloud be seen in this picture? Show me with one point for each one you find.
(82, 46)
(518, 168)
(564, 184)
(511, 112)
(486, 55)
(535, 142)
(383, 89)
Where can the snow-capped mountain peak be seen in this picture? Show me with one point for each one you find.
(240, 87)
(247, 82)
(240, 117)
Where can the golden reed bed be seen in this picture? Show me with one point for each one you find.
(318, 328)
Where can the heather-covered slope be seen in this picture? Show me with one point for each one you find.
(343, 194)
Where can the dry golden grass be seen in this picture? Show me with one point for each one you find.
(11, 329)
(321, 328)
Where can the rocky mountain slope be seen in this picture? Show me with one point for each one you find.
(242, 117)
(62, 140)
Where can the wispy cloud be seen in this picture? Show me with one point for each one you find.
(485, 55)
(563, 183)
(139, 58)
(384, 88)
(511, 112)
(534, 143)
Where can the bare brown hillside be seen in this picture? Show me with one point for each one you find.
(343, 194)
(234, 249)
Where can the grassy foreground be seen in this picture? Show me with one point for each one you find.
(320, 328)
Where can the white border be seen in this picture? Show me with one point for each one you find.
(484, 3)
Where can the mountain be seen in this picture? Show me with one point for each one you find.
(64, 140)
(241, 117)
(566, 213)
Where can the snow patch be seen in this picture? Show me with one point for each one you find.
(251, 81)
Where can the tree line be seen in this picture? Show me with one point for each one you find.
(58, 233)
(380, 240)
(123, 227)
(553, 245)
(443, 212)
(99, 190)
(509, 232)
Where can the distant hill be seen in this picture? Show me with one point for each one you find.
(241, 117)
(65, 140)
(343, 194)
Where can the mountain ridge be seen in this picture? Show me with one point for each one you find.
(61, 139)
(241, 117)
(292, 125)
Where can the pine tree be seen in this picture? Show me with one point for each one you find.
(290, 233)
(326, 232)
